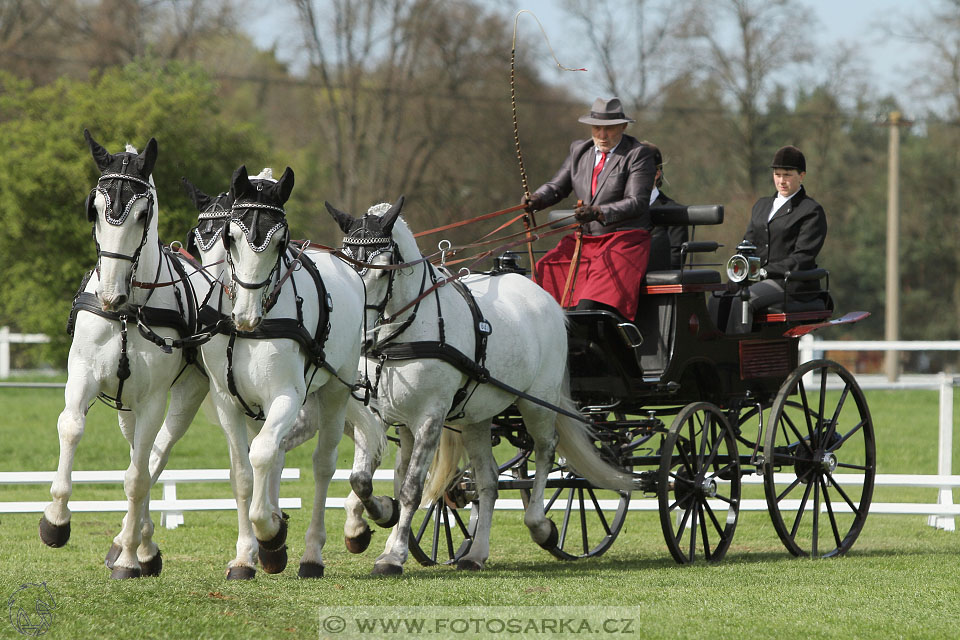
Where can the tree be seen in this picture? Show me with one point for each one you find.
(46, 245)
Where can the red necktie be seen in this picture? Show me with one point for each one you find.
(596, 172)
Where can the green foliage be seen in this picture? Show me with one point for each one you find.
(46, 244)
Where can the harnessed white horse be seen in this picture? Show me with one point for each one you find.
(422, 347)
(125, 323)
(292, 339)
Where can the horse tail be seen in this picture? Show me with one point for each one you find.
(444, 467)
(575, 444)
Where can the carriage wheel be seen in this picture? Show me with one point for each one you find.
(588, 518)
(820, 461)
(699, 477)
(442, 532)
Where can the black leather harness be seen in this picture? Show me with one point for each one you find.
(183, 320)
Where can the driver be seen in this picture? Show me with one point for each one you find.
(612, 174)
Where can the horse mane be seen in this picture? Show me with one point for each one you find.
(131, 149)
(265, 174)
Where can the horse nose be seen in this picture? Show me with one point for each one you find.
(244, 322)
(112, 302)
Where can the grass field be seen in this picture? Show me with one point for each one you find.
(901, 579)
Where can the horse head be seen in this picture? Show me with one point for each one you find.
(255, 239)
(202, 240)
(373, 239)
(123, 210)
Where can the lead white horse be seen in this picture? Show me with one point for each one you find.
(124, 326)
(526, 350)
(292, 339)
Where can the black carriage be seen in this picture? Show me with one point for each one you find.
(699, 417)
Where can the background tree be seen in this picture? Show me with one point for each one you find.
(46, 246)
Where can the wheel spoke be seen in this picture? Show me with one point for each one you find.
(713, 519)
(713, 452)
(693, 532)
(683, 523)
(847, 435)
(703, 532)
(843, 494)
(823, 400)
(566, 519)
(803, 504)
(435, 545)
(598, 510)
(816, 514)
(858, 467)
(793, 485)
(836, 412)
(426, 522)
(553, 498)
(833, 518)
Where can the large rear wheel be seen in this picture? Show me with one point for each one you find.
(820, 460)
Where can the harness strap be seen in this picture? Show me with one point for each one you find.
(574, 269)
(455, 358)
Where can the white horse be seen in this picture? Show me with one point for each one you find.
(124, 328)
(205, 241)
(525, 350)
(292, 338)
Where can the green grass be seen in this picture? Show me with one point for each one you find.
(899, 580)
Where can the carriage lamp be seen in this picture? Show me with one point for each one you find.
(745, 264)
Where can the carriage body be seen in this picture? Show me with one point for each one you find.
(691, 410)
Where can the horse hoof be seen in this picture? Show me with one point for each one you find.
(277, 542)
(273, 561)
(384, 569)
(112, 556)
(394, 515)
(552, 539)
(152, 567)
(465, 564)
(241, 573)
(124, 573)
(54, 535)
(359, 544)
(310, 570)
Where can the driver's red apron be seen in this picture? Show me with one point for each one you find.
(611, 269)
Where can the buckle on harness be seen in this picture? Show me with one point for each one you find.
(484, 327)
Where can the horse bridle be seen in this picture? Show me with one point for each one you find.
(248, 233)
(363, 245)
(118, 220)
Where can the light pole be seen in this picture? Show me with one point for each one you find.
(892, 325)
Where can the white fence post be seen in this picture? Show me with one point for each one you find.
(945, 452)
(4, 352)
(170, 519)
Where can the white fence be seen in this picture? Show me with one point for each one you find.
(941, 513)
(170, 507)
(7, 338)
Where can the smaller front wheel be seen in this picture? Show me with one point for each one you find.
(698, 484)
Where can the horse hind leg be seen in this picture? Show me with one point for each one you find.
(476, 439)
(426, 438)
(333, 408)
(539, 423)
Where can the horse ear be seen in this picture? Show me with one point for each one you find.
(200, 200)
(344, 220)
(240, 183)
(284, 185)
(148, 157)
(390, 217)
(100, 155)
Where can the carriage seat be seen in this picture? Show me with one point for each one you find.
(816, 305)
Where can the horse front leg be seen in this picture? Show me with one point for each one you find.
(368, 436)
(231, 418)
(425, 441)
(55, 522)
(269, 525)
(138, 556)
(333, 407)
